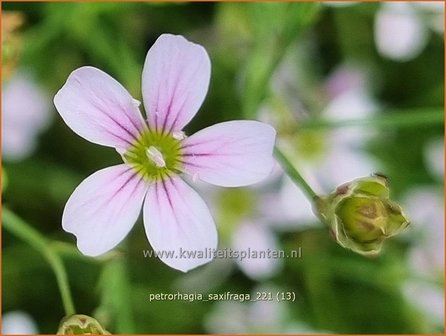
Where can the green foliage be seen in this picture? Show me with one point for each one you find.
(274, 27)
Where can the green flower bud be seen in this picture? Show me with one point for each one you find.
(361, 215)
(80, 325)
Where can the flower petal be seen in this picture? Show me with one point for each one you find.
(175, 81)
(103, 208)
(178, 221)
(230, 154)
(99, 109)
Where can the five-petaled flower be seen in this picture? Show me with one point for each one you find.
(157, 154)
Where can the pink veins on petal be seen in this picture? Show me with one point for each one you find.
(157, 154)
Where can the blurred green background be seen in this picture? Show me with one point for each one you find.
(285, 63)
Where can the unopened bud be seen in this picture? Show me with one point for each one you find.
(361, 215)
(80, 325)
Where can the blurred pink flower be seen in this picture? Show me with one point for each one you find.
(156, 152)
(25, 113)
(343, 79)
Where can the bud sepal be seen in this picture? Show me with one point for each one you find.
(360, 214)
(79, 324)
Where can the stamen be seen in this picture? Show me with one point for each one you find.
(179, 135)
(155, 155)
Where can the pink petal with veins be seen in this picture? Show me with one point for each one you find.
(99, 109)
(103, 208)
(175, 81)
(177, 219)
(230, 154)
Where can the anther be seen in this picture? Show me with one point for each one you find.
(179, 135)
(155, 156)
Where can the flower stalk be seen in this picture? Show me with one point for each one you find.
(294, 174)
(25, 232)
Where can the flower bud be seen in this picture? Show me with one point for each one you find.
(361, 215)
(80, 325)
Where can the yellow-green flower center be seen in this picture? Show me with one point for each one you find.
(156, 155)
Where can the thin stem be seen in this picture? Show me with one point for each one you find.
(24, 231)
(294, 174)
(414, 118)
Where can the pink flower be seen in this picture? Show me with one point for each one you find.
(157, 154)
(25, 114)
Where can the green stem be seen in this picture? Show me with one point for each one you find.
(414, 118)
(116, 295)
(294, 174)
(24, 231)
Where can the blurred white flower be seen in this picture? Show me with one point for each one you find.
(293, 206)
(254, 232)
(400, 33)
(427, 298)
(25, 113)
(227, 317)
(434, 158)
(425, 207)
(343, 164)
(343, 158)
(18, 323)
(258, 317)
(232, 317)
(256, 236)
